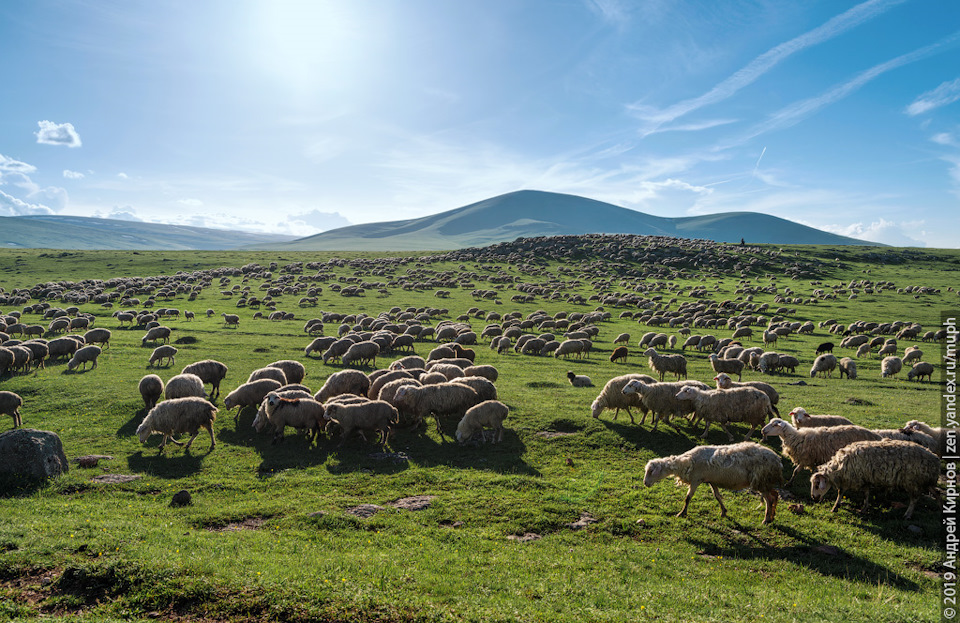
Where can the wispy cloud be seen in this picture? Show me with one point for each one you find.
(882, 230)
(9, 165)
(51, 133)
(946, 93)
(11, 206)
(612, 11)
(73, 175)
(692, 127)
(657, 117)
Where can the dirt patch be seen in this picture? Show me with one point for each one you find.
(525, 537)
(249, 523)
(858, 402)
(552, 434)
(585, 520)
(91, 460)
(414, 503)
(189, 339)
(115, 479)
(364, 511)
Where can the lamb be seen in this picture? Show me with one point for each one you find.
(612, 396)
(890, 366)
(151, 388)
(740, 404)
(160, 353)
(83, 356)
(825, 347)
(939, 435)
(178, 416)
(675, 364)
(344, 382)
(155, 334)
(738, 466)
(98, 336)
(268, 373)
(885, 464)
(847, 367)
(725, 382)
(919, 370)
(486, 371)
(809, 448)
(579, 380)
(620, 353)
(293, 370)
(802, 419)
(210, 371)
(10, 404)
(661, 399)
(372, 416)
(301, 413)
(823, 365)
(729, 366)
(183, 385)
(441, 399)
(249, 395)
(487, 414)
(787, 362)
(362, 352)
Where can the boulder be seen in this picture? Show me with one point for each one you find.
(30, 454)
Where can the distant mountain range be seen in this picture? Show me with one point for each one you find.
(78, 232)
(531, 213)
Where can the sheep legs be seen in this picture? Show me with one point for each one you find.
(692, 490)
(770, 505)
(793, 475)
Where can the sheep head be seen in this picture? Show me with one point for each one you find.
(775, 427)
(723, 381)
(819, 485)
(144, 431)
(688, 392)
(656, 470)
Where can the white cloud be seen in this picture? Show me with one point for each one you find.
(887, 232)
(11, 206)
(122, 213)
(123, 175)
(9, 165)
(73, 175)
(51, 133)
(190, 203)
(323, 221)
(53, 197)
(946, 93)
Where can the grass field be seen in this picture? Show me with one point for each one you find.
(274, 531)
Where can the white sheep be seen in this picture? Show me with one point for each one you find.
(249, 395)
(802, 419)
(97, 336)
(371, 416)
(344, 382)
(824, 365)
(738, 466)
(739, 404)
(183, 385)
(579, 380)
(939, 435)
(83, 356)
(484, 388)
(727, 366)
(486, 371)
(487, 414)
(162, 352)
(661, 399)
(268, 373)
(890, 366)
(10, 404)
(437, 400)
(724, 381)
(294, 371)
(612, 396)
(155, 334)
(809, 448)
(887, 464)
(674, 364)
(360, 353)
(178, 416)
(911, 354)
(210, 371)
(848, 368)
(230, 319)
(151, 388)
(300, 413)
(260, 419)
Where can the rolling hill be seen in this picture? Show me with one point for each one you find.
(77, 232)
(531, 213)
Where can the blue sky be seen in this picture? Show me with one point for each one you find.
(297, 116)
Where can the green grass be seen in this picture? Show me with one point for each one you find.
(76, 549)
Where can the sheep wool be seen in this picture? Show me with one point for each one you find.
(739, 404)
(10, 404)
(809, 448)
(83, 356)
(661, 399)
(299, 412)
(724, 381)
(802, 419)
(210, 371)
(183, 385)
(487, 414)
(178, 416)
(579, 380)
(344, 382)
(151, 388)
(612, 396)
(661, 364)
(371, 416)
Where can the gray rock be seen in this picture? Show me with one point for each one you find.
(31, 454)
(181, 498)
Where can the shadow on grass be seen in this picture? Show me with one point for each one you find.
(129, 428)
(816, 556)
(173, 462)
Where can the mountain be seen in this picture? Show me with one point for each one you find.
(78, 232)
(531, 213)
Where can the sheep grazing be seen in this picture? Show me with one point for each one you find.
(661, 364)
(739, 404)
(160, 353)
(151, 388)
(178, 416)
(260, 419)
(486, 371)
(156, 334)
(337, 349)
(802, 419)
(725, 382)
(268, 373)
(848, 368)
(408, 362)
(98, 336)
(301, 413)
(362, 353)
(487, 414)
(83, 356)
(919, 370)
(372, 416)
(209, 371)
(319, 345)
(293, 370)
(809, 448)
(768, 362)
(623, 338)
(620, 353)
(887, 464)
(728, 366)
(890, 366)
(484, 388)
(10, 404)
(183, 385)
(826, 347)
(579, 380)
(743, 465)
(823, 365)
(437, 400)
(249, 395)
(911, 354)
(612, 396)
(382, 379)
(344, 382)
(661, 399)
(939, 435)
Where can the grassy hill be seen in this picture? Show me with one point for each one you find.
(77, 232)
(531, 213)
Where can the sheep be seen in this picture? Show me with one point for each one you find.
(230, 319)
(487, 414)
(178, 416)
(23, 355)
(260, 419)
(612, 396)
(249, 394)
(661, 399)
(151, 388)
(484, 388)
(441, 399)
(787, 362)
(863, 350)
(98, 336)
(569, 347)
(919, 370)
(210, 371)
(388, 393)
(372, 416)
(268, 373)
(83, 356)
(885, 464)
(939, 435)
(38, 351)
(619, 353)
(729, 366)
(319, 345)
(809, 448)
(847, 367)
(293, 370)
(825, 347)
(60, 348)
(155, 334)
(824, 365)
(408, 362)
(183, 385)
(486, 371)
(579, 380)
(337, 349)
(160, 353)
(10, 404)
(432, 378)
(768, 362)
(802, 419)
(623, 338)
(675, 364)
(725, 382)
(739, 404)
(911, 354)
(362, 352)
(448, 370)
(738, 466)
(890, 366)
(903, 434)
(344, 382)
(301, 413)
(377, 383)
(6, 360)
